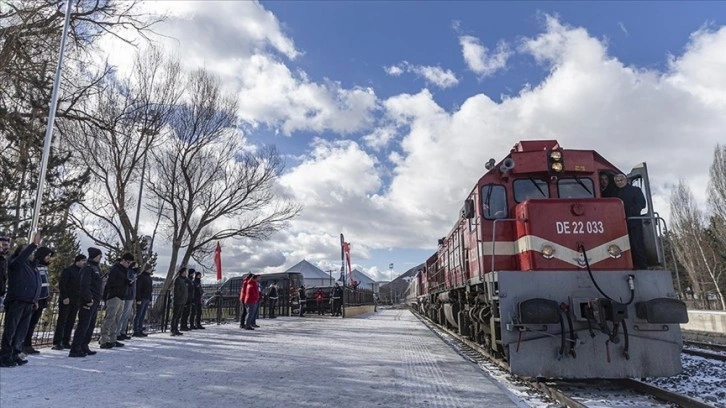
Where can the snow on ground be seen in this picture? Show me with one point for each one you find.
(702, 379)
(386, 359)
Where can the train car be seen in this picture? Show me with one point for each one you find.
(538, 270)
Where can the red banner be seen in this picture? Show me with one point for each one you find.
(218, 261)
(346, 250)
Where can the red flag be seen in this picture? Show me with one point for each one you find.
(218, 261)
(346, 250)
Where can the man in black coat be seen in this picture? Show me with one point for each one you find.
(634, 203)
(607, 186)
(272, 300)
(196, 320)
(116, 288)
(187, 310)
(303, 300)
(90, 295)
(337, 296)
(144, 287)
(180, 299)
(22, 297)
(41, 261)
(69, 287)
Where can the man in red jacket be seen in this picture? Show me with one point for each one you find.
(243, 308)
(251, 293)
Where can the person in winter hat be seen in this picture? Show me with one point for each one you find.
(41, 260)
(69, 289)
(180, 299)
(22, 296)
(91, 293)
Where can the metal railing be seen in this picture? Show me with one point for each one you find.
(221, 313)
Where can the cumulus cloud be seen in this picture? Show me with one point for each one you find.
(401, 184)
(480, 59)
(588, 100)
(248, 49)
(442, 78)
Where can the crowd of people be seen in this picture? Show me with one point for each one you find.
(82, 290)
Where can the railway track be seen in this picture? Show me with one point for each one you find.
(575, 394)
(706, 350)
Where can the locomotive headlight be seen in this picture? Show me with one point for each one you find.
(614, 251)
(555, 161)
(548, 252)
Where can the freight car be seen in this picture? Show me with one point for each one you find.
(538, 269)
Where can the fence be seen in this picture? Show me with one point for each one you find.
(221, 312)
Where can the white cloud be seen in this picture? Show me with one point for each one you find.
(479, 58)
(589, 100)
(401, 185)
(245, 45)
(442, 78)
(394, 70)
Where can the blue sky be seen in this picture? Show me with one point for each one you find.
(387, 111)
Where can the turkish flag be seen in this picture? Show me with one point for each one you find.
(218, 261)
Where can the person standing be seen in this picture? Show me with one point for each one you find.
(337, 297)
(607, 186)
(272, 300)
(22, 294)
(242, 294)
(129, 300)
(634, 203)
(41, 260)
(180, 299)
(144, 286)
(196, 320)
(319, 299)
(252, 302)
(116, 287)
(90, 295)
(69, 288)
(303, 300)
(188, 310)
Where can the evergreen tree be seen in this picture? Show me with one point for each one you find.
(66, 247)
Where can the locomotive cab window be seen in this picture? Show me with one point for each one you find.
(579, 187)
(494, 203)
(530, 188)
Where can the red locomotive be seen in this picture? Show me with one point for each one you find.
(538, 269)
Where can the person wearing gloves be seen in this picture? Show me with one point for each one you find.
(22, 296)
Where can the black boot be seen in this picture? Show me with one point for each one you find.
(18, 360)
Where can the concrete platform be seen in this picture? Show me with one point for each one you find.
(386, 359)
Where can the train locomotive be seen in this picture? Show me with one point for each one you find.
(538, 271)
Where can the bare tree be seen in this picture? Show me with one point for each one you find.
(692, 245)
(30, 32)
(127, 120)
(717, 191)
(210, 187)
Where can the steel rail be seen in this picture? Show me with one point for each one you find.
(551, 390)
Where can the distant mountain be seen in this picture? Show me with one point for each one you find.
(398, 287)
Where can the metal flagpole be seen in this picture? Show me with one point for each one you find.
(51, 121)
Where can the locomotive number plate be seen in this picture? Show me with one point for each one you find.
(580, 227)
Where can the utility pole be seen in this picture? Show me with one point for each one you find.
(390, 284)
(49, 127)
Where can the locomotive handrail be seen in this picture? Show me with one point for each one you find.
(494, 237)
(662, 231)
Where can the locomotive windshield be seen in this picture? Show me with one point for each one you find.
(579, 187)
(529, 188)
(495, 201)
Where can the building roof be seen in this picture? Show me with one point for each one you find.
(308, 270)
(362, 277)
